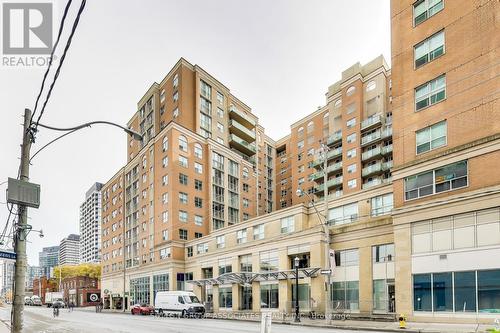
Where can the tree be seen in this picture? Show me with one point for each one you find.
(90, 270)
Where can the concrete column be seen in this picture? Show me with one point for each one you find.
(256, 296)
(215, 298)
(365, 280)
(403, 277)
(285, 295)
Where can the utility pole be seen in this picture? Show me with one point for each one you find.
(20, 233)
(328, 321)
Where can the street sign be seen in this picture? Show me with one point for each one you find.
(325, 271)
(23, 193)
(8, 255)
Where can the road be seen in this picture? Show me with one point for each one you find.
(38, 320)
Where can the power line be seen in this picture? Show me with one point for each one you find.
(61, 28)
(66, 48)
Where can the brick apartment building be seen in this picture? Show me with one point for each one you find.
(79, 290)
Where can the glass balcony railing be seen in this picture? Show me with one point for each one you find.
(386, 150)
(376, 182)
(332, 153)
(371, 121)
(332, 182)
(337, 136)
(371, 137)
(242, 116)
(239, 129)
(387, 132)
(242, 145)
(330, 168)
(371, 153)
(371, 169)
(387, 165)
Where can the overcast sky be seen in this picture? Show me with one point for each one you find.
(278, 56)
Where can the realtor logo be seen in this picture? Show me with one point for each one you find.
(27, 28)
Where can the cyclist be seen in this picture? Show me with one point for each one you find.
(55, 311)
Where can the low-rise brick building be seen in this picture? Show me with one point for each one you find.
(81, 290)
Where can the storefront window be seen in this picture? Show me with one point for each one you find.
(345, 295)
(225, 297)
(246, 298)
(160, 283)
(422, 297)
(269, 296)
(488, 284)
(139, 290)
(442, 292)
(465, 291)
(304, 295)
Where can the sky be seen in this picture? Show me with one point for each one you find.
(279, 57)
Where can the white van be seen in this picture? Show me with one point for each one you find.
(181, 303)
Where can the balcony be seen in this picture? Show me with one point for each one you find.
(329, 184)
(241, 131)
(387, 132)
(376, 182)
(335, 137)
(372, 169)
(331, 168)
(371, 138)
(241, 117)
(333, 153)
(371, 122)
(386, 166)
(387, 150)
(241, 145)
(370, 154)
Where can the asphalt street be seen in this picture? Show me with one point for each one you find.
(40, 320)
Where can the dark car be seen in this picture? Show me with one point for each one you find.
(142, 309)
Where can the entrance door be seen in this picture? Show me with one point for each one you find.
(246, 298)
(391, 292)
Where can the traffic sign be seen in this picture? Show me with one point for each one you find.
(8, 255)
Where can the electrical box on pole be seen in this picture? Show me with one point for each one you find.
(23, 193)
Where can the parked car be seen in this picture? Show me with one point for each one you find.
(181, 303)
(36, 301)
(142, 309)
(27, 301)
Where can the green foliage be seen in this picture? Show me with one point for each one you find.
(90, 270)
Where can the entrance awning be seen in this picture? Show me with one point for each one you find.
(249, 277)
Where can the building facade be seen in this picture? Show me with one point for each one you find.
(7, 268)
(48, 259)
(32, 272)
(446, 150)
(90, 225)
(81, 291)
(69, 250)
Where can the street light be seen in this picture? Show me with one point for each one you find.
(297, 313)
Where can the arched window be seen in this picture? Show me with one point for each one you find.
(164, 145)
(245, 173)
(350, 90)
(371, 85)
(338, 103)
(310, 127)
(198, 151)
(300, 132)
(183, 144)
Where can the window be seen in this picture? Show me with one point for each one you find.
(176, 112)
(351, 153)
(246, 187)
(220, 98)
(443, 179)
(189, 250)
(246, 203)
(175, 81)
(175, 97)
(300, 144)
(183, 198)
(164, 235)
(164, 216)
(183, 145)
(198, 220)
(424, 9)
(198, 151)
(351, 123)
(206, 90)
(429, 49)
(371, 86)
(221, 241)
(347, 258)
(225, 266)
(350, 91)
(183, 161)
(287, 224)
(382, 204)
(164, 162)
(338, 103)
(220, 127)
(352, 183)
(183, 234)
(351, 138)
(183, 179)
(165, 253)
(351, 168)
(269, 296)
(198, 235)
(245, 173)
(269, 261)
(202, 248)
(198, 202)
(241, 236)
(431, 137)
(310, 152)
(258, 232)
(246, 263)
(198, 185)
(383, 253)
(162, 95)
(183, 216)
(198, 168)
(226, 297)
(310, 127)
(430, 93)
(245, 216)
(343, 214)
(301, 181)
(220, 140)
(164, 145)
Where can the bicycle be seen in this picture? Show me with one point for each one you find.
(55, 312)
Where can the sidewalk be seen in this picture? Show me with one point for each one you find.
(355, 325)
(4, 327)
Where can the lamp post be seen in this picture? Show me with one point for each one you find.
(323, 220)
(296, 262)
